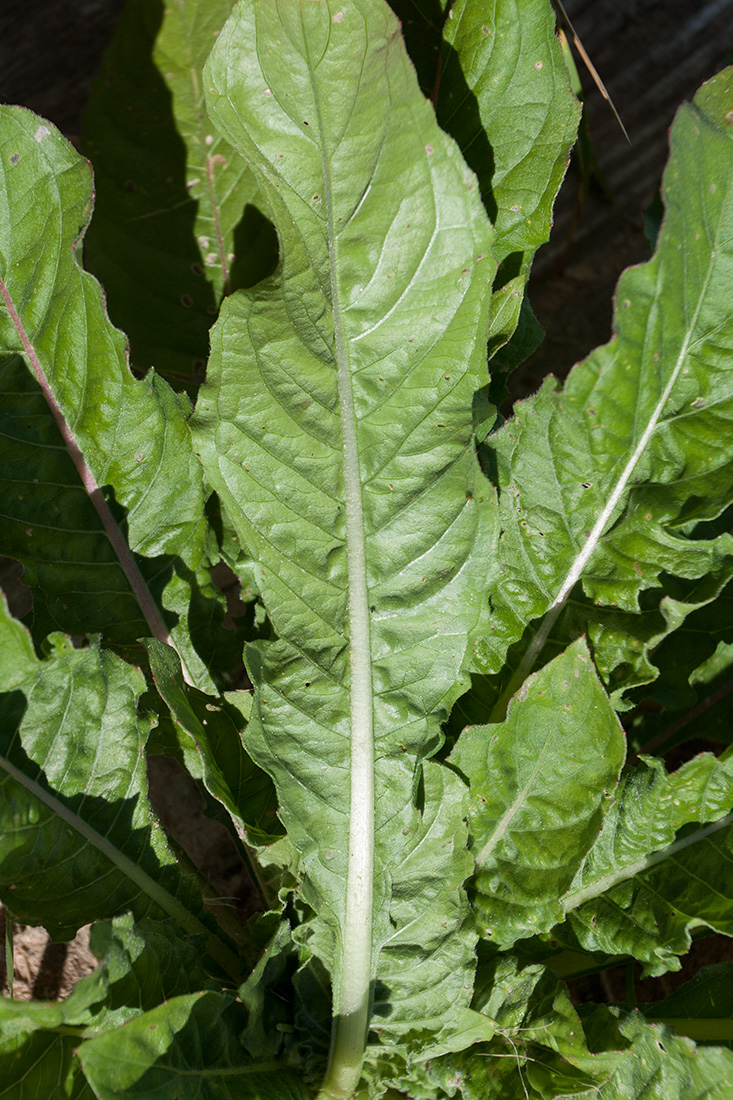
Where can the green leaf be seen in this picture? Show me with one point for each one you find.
(657, 1064)
(178, 219)
(339, 404)
(210, 732)
(142, 965)
(626, 1058)
(102, 493)
(701, 1008)
(496, 66)
(484, 65)
(603, 482)
(654, 872)
(496, 63)
(187, 1049)
(37, 1046)
(16, 647)
(540, 783)
(267, 992)
(79, 840)
(538, 1037)
(694, 681)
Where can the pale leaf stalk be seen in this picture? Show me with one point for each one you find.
(352, 994)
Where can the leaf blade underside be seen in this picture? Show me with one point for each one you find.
(603, 482)
(339, 399)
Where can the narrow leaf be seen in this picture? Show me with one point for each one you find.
(178, 218)
(339, 404)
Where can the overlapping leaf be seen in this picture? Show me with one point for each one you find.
(538, 1037)
(694, 686)
(608, 1053)
(37, 1042)
(178, 222)
(187, 1049)
(210, 734)
(656, 1064)
(540, 783)
(603, 482)
(701, 1008)
(498, 63)
(142, 965)
(101, 493)
(79, 840)
(653, 875)
(485, 65)
(339, 405)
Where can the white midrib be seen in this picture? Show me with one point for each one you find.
(602, 885)
(576, 571)
(351, 989)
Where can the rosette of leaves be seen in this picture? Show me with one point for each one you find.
(416, 573)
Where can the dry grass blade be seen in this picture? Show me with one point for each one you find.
(590, 66)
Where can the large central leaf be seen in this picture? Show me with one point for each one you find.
(337, 417)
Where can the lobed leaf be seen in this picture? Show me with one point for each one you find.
(538, 1033)
(602, 482)
(101, 490)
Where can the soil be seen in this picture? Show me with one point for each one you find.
(652, 54)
